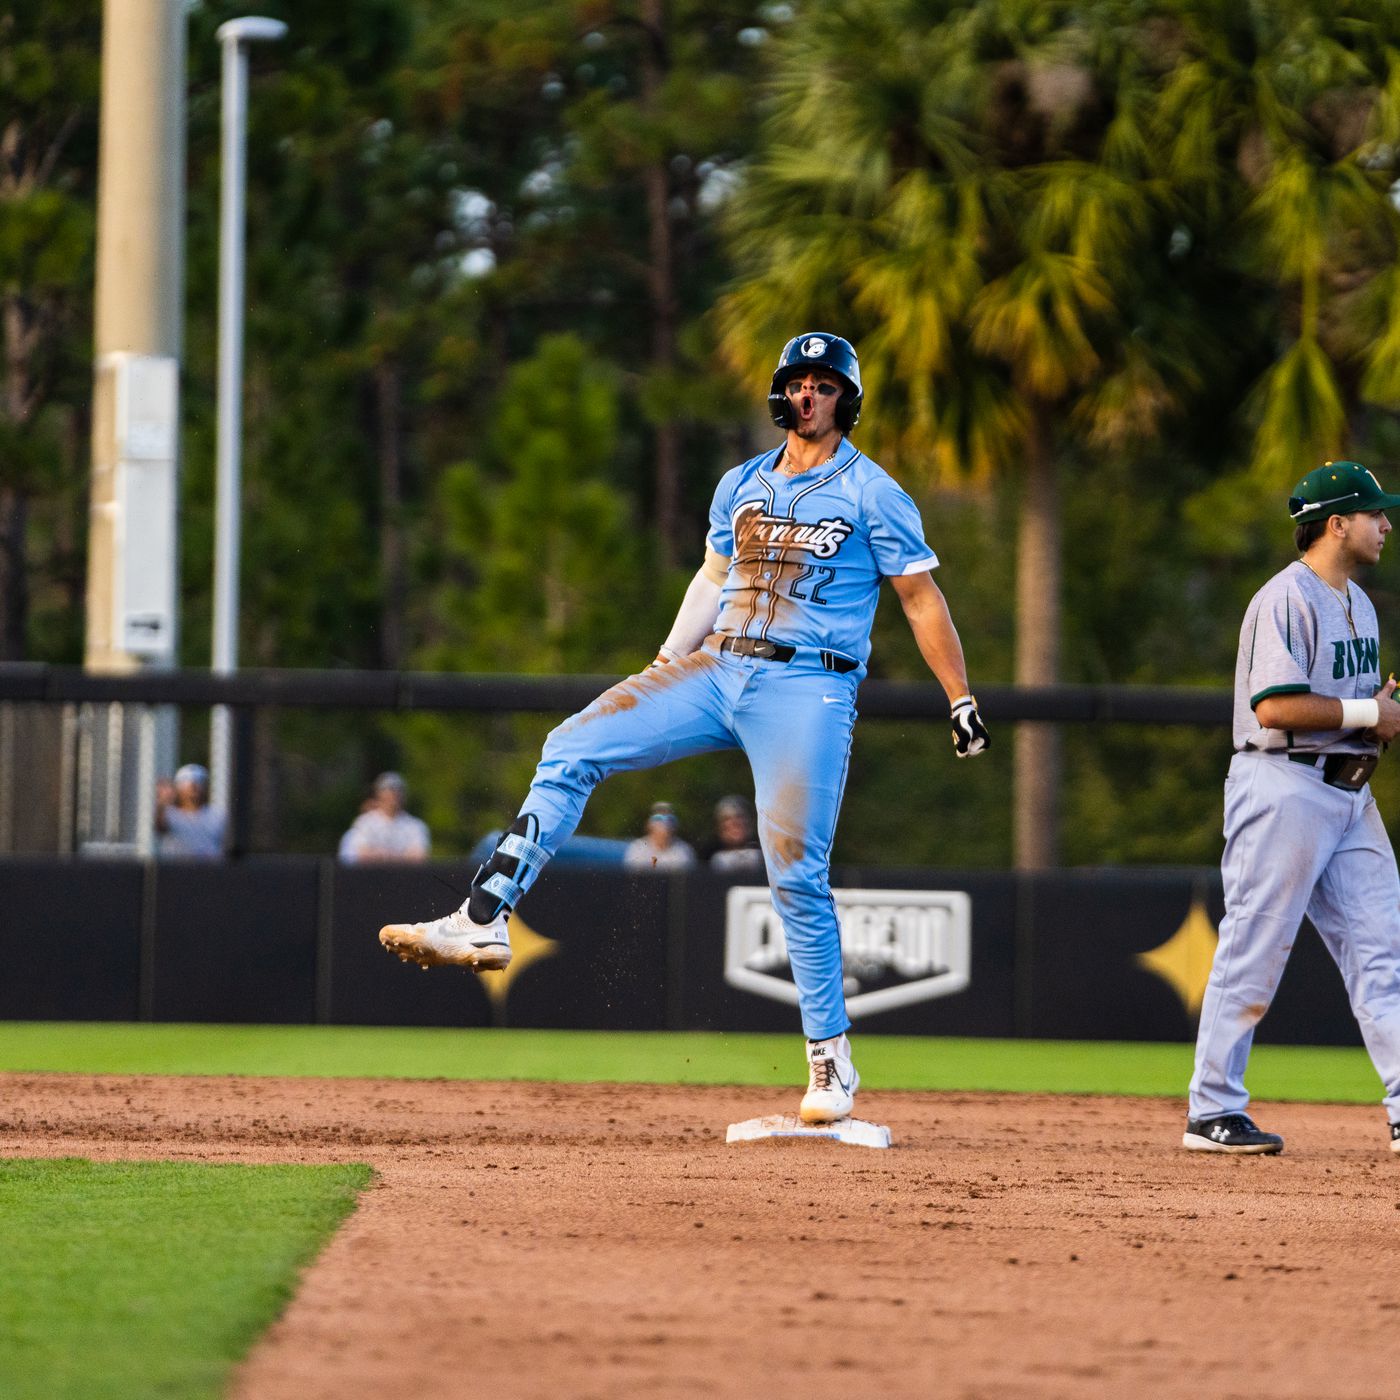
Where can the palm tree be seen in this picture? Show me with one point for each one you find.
(971, 189)
(1055, 225)
(1280, 125)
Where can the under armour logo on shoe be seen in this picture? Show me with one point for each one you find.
(1220, 1132)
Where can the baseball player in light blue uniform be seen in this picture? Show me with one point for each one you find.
(1302, 832)
(766, 654)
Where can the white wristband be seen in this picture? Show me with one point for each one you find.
(1360, 714)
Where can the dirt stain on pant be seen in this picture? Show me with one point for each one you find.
(625, 694)
(783, 824)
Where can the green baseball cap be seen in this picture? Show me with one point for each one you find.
(1337, 488)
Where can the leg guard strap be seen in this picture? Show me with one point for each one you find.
(504, 888)
(501, 883)
(517, 846)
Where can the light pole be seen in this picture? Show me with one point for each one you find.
(132, 619)
(235, 36)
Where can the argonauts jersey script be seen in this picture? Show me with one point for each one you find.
(1299, 635)
(808, 552)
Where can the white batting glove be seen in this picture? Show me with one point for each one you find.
(970, 736)
(664, 657)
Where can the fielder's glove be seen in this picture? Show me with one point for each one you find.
(970, 735)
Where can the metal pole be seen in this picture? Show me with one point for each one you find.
(146, 767)
(132, 616)
(138, 289)
(67, 777)
(234, 36)
(7, 777)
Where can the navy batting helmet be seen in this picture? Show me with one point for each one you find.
(818, 350)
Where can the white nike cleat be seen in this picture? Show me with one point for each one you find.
(832, 1081)
(454, 941)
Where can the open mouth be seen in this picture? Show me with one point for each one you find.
(807, 406)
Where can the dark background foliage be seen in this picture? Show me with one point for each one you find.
(517, 274)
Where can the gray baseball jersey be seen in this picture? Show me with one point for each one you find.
(1300, 635)
(1295, 845)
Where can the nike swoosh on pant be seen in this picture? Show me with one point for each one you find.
(831, 699)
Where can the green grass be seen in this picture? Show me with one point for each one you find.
(886, 1062)
(124, 1279)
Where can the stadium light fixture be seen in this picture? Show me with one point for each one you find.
(235, 36)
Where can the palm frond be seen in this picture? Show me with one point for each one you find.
(1300, 414)
(1038, 319)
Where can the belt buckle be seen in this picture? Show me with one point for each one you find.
(767, 650)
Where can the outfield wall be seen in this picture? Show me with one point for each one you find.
(1113, 954)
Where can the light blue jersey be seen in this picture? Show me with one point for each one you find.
(808, 552)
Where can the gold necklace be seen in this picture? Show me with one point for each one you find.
(1343, 598)
(780, 466)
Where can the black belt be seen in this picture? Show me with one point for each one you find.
(780, 651)
(1351, 771)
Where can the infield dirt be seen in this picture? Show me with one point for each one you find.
(534, 1240)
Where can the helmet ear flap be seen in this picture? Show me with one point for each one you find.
(780, 410)
(848, 410)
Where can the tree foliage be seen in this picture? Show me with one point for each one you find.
(1060, 231)
(48, 175)
(1118, 275)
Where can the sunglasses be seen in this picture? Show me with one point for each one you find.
(825, 390)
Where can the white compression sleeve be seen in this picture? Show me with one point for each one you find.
(696, 618)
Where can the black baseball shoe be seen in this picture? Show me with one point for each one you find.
(1395, 1137)
(1231, 1132)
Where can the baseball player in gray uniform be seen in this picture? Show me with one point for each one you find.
(1302, 832)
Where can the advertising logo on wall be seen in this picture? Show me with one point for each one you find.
(898, 947)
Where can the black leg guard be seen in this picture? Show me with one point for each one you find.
(508, 876)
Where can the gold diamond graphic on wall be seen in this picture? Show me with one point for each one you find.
(526, 947)
(1184, 960)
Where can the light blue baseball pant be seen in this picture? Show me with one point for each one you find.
(793, 721)
(1295, 846)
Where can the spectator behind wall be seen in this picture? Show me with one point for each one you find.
(661, 848)
(384, 831)
(736, 847)
(187, 827)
